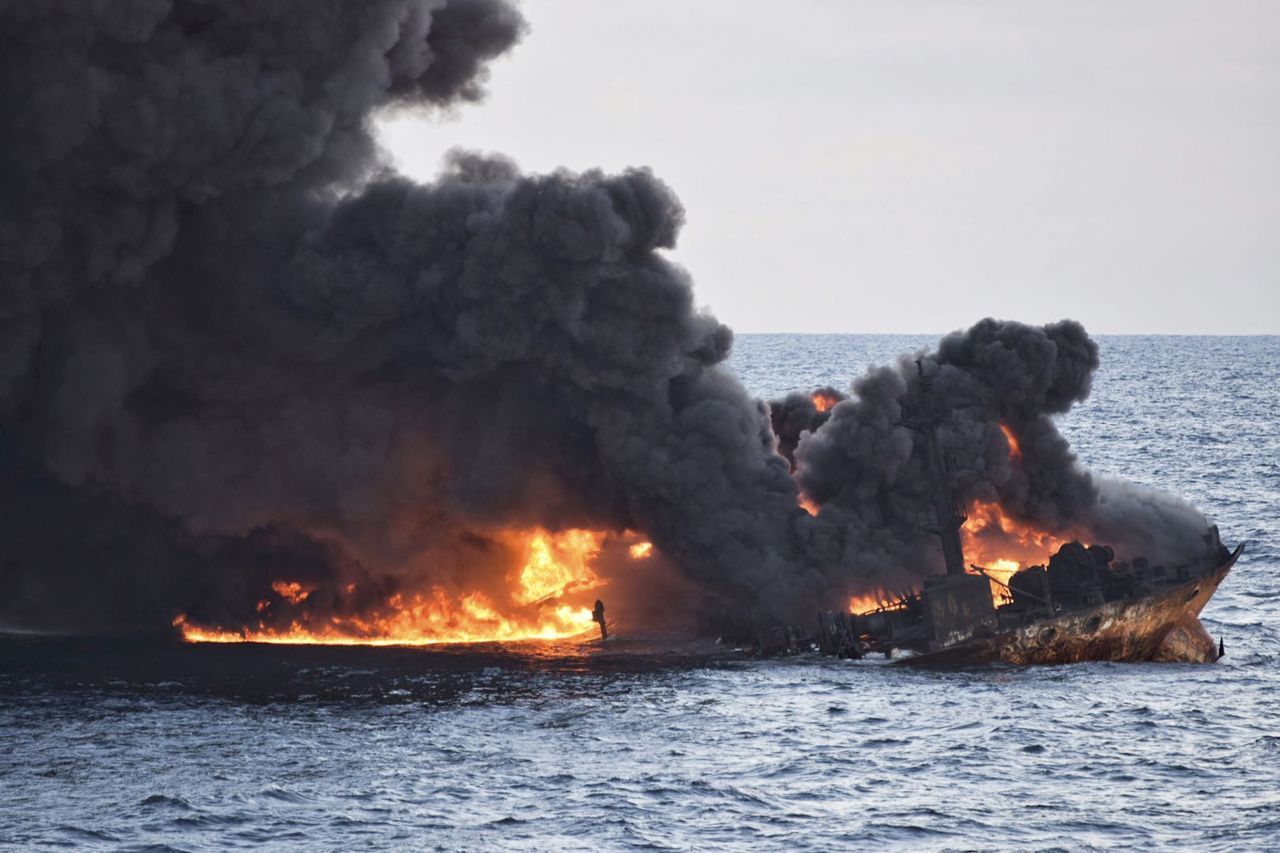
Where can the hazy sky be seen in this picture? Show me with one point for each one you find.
(905, 166)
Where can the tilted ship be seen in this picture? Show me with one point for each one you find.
(1084, 605)
(1081, 607)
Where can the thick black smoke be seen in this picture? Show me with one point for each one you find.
(796, 414)
(865, 465)
(230, 340)
(234, 348)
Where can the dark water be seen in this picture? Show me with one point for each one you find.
(122, 745)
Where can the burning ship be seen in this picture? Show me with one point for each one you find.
(1083, 605)
(279, 392)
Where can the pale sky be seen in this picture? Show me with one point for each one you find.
(913, 166)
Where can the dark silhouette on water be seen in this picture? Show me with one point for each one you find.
(597, 615)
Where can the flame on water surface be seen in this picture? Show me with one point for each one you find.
(554, 565)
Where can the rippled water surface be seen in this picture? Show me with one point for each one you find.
(669, 744)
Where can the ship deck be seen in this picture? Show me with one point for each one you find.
(1125, 630)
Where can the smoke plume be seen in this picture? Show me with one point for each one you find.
(235, 347)
(865, 466)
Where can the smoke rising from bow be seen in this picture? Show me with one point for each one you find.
(234, 346)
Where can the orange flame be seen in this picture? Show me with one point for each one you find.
(824, 400)
(1015, 450)
(996, 542)
(641, 550)
(291, 591)
(557, 565)
(807, 504)
(867, 602)
(554, 565)
(1002, 545)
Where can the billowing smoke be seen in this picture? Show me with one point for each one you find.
(796, 414)
(234, 347)
(866, 469)
(232, 340)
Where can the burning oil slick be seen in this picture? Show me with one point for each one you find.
(254, 384)
(557, 568)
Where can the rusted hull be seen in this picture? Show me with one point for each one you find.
(1130, 630)
(1187, 642)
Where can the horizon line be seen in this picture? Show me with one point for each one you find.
(1091, 334)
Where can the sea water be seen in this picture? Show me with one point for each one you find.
(129, 745)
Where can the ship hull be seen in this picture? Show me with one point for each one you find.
(1128, 630)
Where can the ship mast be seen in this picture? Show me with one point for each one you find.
(949, 512)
